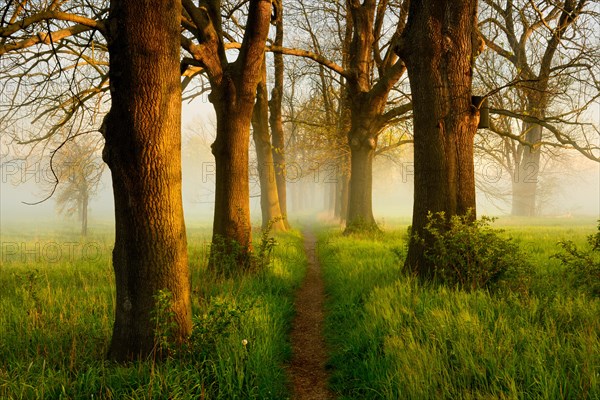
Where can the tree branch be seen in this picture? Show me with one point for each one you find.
(52, 15)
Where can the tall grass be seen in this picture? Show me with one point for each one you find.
(56, 316)
(394, 338)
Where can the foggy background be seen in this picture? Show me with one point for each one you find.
(569, 187)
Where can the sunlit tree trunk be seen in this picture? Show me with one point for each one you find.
(269, 197)
(143, 151)
(360, 204)
(437, 48)
(231, 223)
(275, 119)
(361, 139)
(233, 93)
(367, 102)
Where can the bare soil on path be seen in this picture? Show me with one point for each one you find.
(308, 365)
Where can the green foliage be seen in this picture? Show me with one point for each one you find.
(56, 323)
(163, 317)
(262, 257)
(583, 265)
(215, 324)
(470, 255)
(230, 258)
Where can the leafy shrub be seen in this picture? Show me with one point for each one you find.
(263, 255)
(583, 265)
(470, 254)
(229, 258)
(222, 318)
(163, 317)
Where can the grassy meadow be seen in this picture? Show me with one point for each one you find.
(391, 337)
(56, 313)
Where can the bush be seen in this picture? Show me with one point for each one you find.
(470, 254)
(218, 322)
(229, 258)
(583, 265)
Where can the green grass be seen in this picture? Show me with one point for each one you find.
(56, 314)
(390, 337)
(393, 338)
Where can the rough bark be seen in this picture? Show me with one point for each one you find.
(143, 152)
(269, 198)
(437, 49)
(231, 223)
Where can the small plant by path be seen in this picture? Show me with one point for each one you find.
(307, 368)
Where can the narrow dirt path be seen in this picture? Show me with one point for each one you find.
(307, 368)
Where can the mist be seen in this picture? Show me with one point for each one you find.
(568, 188)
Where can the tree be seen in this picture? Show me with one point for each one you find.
(143, 151)
(142, 145)
(233, 92)
(79, 172)
(438, 45)
(369, 71)
(543, 53)
(272, 216)
(275, 115)
(368, 101)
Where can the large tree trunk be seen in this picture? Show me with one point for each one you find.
(360, 204)
(367, 102)
(437, 49)
(269, 198)
(362, 107)
(231, 225)
(233, 93)
(143, 151)
(275, 119)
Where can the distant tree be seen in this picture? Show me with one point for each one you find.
(272, 215)
(438, 45)
(542, 72)
(79, 168)
(368, 69)
(368, 98)
(275, 113)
